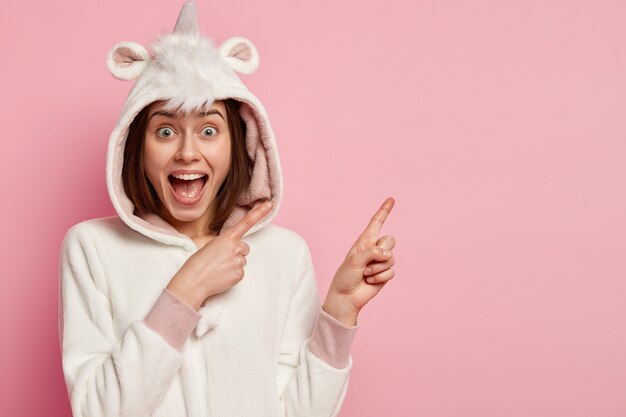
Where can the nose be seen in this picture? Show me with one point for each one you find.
(187, 149)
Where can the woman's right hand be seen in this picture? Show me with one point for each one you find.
(218, 265)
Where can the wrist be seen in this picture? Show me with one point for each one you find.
(185, 294)
(341, 309)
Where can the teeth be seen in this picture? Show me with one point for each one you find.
(188, 177)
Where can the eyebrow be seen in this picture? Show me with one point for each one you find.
(172, 115)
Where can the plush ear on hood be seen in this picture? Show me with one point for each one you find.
(127, 60)
(240, 54)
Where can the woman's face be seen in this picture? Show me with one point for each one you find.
(199, 142)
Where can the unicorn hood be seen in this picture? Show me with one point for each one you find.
(187, 69)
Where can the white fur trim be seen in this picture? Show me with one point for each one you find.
(127, 60)
(240, 54)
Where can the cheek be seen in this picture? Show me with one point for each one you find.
(153, 157)
(225, 155)
(226, 159)
(218, 156)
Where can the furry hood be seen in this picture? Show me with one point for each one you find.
(188, 70)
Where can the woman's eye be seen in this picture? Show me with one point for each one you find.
(212, 131)
(166, 132)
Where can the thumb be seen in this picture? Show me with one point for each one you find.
(373, 253)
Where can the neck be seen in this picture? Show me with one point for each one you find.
(195, 229)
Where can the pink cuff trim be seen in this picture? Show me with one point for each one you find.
(172, 319)
(331, 340)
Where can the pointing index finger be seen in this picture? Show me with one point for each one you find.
(376, 223)
(250, 219)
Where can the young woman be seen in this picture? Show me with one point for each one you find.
(189, 301)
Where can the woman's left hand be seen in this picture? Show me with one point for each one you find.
(369, 257)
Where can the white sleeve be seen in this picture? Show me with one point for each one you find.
(307, 385)
(104, 375)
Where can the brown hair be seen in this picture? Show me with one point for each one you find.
(141, 192)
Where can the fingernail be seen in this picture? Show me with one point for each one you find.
(368, 270)
(268, 204)
(370, 280)
(387, 253)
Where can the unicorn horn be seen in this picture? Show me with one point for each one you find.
(187, 21)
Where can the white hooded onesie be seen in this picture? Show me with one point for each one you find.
(130, 347)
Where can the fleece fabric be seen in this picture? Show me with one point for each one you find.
(129, 346)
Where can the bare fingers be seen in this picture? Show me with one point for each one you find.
(381, 277)
(376, 267)
(386, 242)
(373, 254)
(369, 236)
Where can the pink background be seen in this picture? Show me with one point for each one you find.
(497, 126)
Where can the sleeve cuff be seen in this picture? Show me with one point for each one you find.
(172, 319)
(331, 340)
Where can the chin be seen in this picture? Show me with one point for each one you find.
(186, 216)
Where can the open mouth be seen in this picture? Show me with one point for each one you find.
(188, 188)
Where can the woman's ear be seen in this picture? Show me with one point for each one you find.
(240, 54)
(127, 60)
